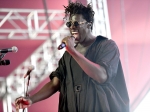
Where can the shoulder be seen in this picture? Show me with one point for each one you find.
(103, 41)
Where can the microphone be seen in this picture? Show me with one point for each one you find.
(4, 62)
(62, 45)
(13, 49)
(30, 68)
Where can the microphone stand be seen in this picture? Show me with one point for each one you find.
(2, 55)
(26, 93)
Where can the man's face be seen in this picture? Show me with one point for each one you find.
(78, 28)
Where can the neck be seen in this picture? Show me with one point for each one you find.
(88, 41)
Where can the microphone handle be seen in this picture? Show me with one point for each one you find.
(61, 46)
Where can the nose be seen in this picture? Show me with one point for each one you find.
(72, 26)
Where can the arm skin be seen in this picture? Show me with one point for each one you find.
(92, 69)
(47, 90)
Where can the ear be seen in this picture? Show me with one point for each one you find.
(89, 25)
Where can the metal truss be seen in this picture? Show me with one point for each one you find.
(29, 23)
(46, 57)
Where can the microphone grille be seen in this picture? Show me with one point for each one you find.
(31, 67)
(14, 49)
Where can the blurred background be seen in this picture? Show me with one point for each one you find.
(36, 28)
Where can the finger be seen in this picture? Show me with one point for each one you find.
(25, 106)
(72, 36)
(17, 110)
(17, 107)
(20, 106)
(64, 39)
(18, 102)
(18, 99)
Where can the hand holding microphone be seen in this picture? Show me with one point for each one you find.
(67, 41)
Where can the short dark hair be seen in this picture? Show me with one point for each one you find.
(78, 8)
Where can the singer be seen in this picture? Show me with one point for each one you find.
(89, 76)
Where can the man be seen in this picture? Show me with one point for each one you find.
(89, 76)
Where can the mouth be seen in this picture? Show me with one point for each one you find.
(75, 34)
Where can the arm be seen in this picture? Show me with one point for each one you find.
(47, 90)
(92, 69)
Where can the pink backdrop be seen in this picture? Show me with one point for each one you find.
(129, 23)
